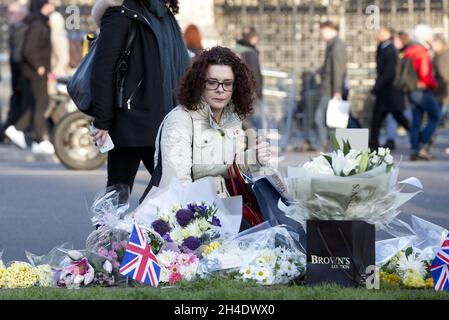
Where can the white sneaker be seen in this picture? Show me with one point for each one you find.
(447, 150)
(16, 136)
(45, 147)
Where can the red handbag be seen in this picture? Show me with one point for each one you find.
(251, 211)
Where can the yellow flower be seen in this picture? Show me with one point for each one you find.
(2, 274)
(390, 278)
(44, 275)
(20, 275)
(211, 247)
(413, 280)
(429, 283)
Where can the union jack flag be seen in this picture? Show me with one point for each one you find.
(139, 261)
(439, 268)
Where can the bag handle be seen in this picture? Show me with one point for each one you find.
(242, 184)
(231, 177)
(326, 246)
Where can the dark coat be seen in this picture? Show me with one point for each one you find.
(250, 55)
(441, 63)
(36, 45)
(333, 71)
(137, 124)
(388, 96)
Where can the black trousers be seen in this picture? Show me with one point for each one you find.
(39, 125)
(379, 115)
(123, 164)
(21, 98)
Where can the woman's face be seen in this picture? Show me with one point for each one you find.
(218, 86)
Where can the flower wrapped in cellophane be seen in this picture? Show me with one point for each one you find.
(263, 254)
(406, 258)
(177, 266)
(64, 267)
(189, 216)
(348, 184)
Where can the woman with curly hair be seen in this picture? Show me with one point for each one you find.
(131, 109)
(203, 136)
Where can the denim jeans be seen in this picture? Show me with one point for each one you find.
(423, 102)
(320, 122)
(392, 128)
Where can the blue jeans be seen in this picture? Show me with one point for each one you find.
(392, 128)
(423, 102)
(320, 122)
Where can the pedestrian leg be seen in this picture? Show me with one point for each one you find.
(320, 122)
(123, 164)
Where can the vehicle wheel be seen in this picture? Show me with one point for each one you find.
(73, 144)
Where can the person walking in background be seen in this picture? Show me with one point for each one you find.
(192, 38)
(422, 98)
(20, 98)
(333, 75)
(60, 54)
(389, 99)
(37, 65)
(246, 48)
(441, 63)
(157, 60)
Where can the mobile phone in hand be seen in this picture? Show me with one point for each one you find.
(107, 146)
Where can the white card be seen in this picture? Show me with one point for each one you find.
(358, 138)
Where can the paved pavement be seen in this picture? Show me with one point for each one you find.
(42, 204)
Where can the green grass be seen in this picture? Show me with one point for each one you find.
(226, 290)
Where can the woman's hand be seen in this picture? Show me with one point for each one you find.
(263, 151)
(99, 137)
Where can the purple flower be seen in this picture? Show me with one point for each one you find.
(124, 244)
(203, 209)
(113, 254)
(161, 227)
(192, 243)
(116, 246)
(103, 251)
(191, 207)
(216, 222)
(184, 217)
(167, 237)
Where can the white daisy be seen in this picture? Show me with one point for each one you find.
(411, 263)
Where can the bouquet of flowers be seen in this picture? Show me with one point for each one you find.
(64, 267)
(24, 275)
(189, 214)
(408, 269)
(347, 184)
(177, 266)
(263, 254)
(188, 228)
(406, 258)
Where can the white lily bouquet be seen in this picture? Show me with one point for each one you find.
(347, 184)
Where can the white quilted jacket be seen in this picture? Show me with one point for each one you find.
(215, 146)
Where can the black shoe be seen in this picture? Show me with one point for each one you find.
(414, 156)
(390, 144)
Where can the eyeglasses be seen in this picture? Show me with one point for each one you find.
(213, 84)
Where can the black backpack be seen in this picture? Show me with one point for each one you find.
(406, 77)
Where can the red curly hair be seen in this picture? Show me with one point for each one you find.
(192, 37)
(191, 87)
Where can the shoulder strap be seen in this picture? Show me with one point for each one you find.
(132, 36)
(193, 130)
(157, 173)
